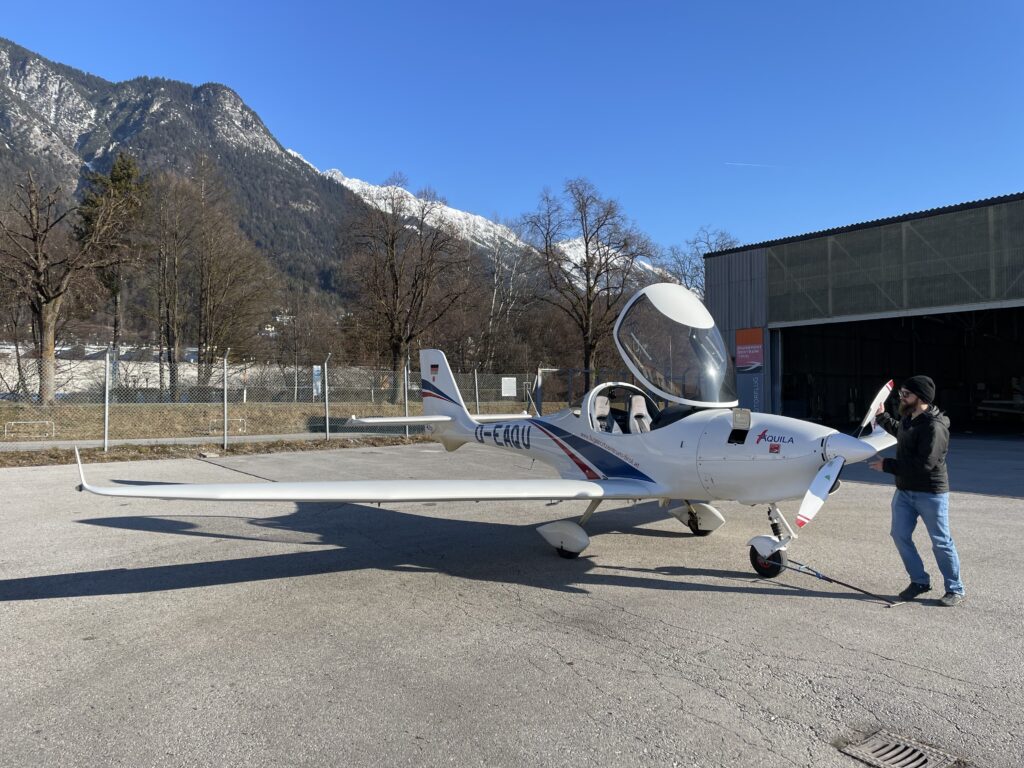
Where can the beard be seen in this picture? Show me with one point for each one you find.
(906, 409)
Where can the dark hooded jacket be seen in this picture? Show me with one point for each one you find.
(921, 446)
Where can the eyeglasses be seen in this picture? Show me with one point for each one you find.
(904, 394)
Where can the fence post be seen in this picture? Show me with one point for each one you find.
(405, 393)
(106, 402)
(327, 400)
(476, 388)
(226, 397)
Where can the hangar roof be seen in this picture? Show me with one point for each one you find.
(873, 223)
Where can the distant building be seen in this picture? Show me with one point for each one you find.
(823, 319)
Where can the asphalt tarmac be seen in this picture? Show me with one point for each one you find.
(138, 633)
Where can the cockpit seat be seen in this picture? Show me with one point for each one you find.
(602, 414)
(639, 417)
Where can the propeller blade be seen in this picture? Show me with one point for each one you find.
(881, 397)
(818, 492)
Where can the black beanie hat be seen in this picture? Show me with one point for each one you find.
(922, 386)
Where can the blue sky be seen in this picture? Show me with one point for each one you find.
(763, 119)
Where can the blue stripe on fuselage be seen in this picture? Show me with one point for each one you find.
(607, 463)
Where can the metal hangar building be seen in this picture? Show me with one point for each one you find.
(818, 322)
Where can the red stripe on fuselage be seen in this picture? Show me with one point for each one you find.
(587, 471)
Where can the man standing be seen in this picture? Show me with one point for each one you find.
(922, 487)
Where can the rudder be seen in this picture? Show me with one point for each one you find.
(440, 392)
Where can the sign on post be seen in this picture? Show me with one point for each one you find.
(317, 379)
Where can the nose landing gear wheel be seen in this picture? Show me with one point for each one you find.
(768, 567)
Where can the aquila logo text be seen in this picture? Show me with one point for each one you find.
(765, 437)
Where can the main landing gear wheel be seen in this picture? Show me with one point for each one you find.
(771, 566)
(566, 537)
(693, 523)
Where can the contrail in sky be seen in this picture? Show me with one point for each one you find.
(755, 165)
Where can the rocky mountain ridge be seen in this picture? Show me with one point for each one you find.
(58, 121)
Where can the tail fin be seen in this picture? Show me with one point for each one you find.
(441, 397)
(440, 392)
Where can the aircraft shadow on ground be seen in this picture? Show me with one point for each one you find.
(350, 537)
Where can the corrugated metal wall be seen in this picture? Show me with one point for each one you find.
(736, 292)
(970, 257)
(965, 257)
(736, 295)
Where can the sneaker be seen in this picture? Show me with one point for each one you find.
(951, 599)
(914, 590)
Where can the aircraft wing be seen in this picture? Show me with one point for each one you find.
(386, 491)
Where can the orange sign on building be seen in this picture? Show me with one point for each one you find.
(749, 350)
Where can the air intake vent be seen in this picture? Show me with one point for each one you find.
(886, 750)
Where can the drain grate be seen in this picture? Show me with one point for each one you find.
(886, 750)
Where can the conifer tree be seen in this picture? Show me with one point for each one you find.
(123, 189)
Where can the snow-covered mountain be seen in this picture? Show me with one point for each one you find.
(575, 249)
(479, 230)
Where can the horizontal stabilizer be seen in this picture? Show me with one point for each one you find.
(395, 421)
(487, 418)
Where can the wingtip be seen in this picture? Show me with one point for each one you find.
(83, 486)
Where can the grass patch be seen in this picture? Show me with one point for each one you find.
(128, 421)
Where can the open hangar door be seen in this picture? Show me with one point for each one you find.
(830, 371)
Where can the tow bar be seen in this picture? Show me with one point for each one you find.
(793, 565)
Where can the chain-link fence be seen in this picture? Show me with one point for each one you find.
(143, 400)
(557, 388)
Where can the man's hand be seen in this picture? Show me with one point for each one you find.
(876, 465)
(881, 409)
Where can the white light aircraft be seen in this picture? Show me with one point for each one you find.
(619, 444)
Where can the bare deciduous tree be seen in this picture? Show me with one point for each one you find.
(38, 254)
(588, 250)
(506, 264)
(167, 231)
(208, 282)
(14, 320)
(232, 282)
(404, 258)
(686, 263)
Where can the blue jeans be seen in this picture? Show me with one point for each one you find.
(933, 509)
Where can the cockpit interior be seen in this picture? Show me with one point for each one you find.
(625, 409)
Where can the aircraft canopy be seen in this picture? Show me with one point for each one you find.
(669, 340)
